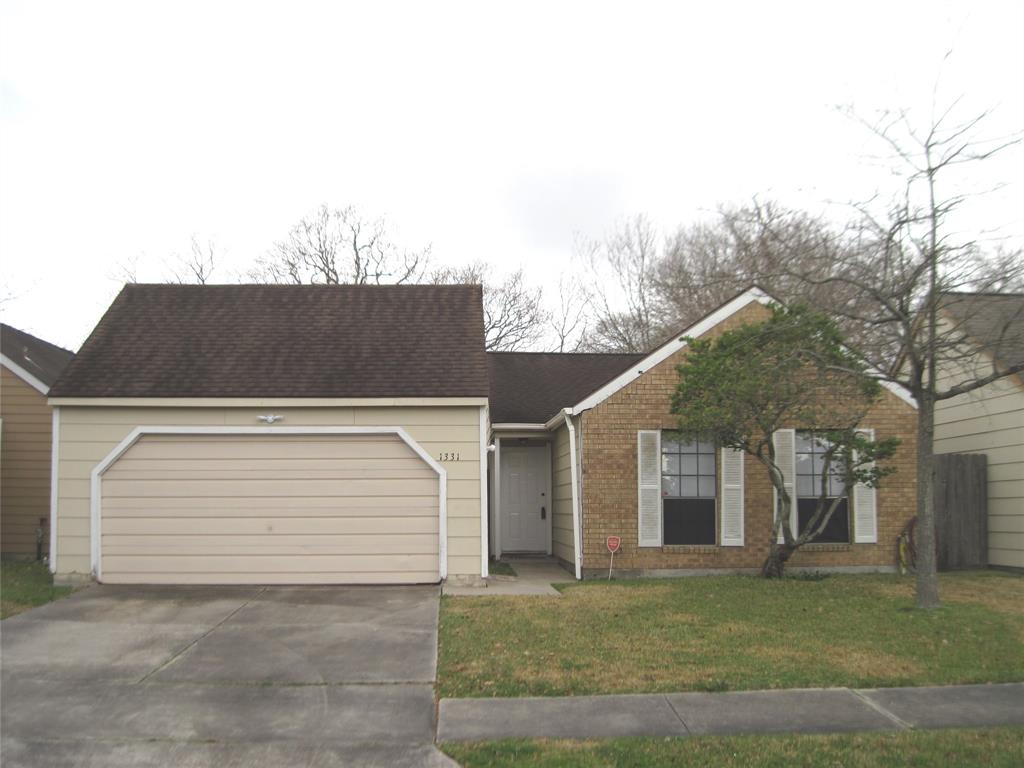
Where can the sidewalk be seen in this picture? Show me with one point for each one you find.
(534, 576)
(816, 710)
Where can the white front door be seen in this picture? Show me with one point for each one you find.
(525, 506)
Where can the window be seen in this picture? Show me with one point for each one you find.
(810, 459)
(688, 486)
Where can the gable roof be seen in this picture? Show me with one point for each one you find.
(36, 361)
(301, 341)
(994, 320)
(531, 387)
(678, 341)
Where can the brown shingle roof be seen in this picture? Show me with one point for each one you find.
(40, 358)
(993, 320)
(531, 387)
(284, 341)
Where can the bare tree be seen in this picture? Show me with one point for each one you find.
(197, 266)
(907, 268)
(568, 322)
(335, 246)
(126, 270)
(514, 315)
(622, 294)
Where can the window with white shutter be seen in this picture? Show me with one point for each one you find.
(648, 472)
(785, 459)
(865, 506)
(732, 498)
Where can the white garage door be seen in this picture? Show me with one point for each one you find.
(269, 509)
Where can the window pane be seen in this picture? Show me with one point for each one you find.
(689, 521)
(689, 487)
(818, 463)
(669, 443)
(804, 486)
(670, 485)
(706, 486)
(706, 448)
(836, 486)
(803, 441)
(803, 464)
(706, 464)
(689, 464)
(688, 447)
(838, 529)
(670, 464)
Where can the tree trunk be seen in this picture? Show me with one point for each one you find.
(927, 575)
(775, 564)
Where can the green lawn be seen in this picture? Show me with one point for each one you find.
(26, 585)
(732, 633)
(991, 747)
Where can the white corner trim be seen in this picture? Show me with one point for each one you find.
(497, 497)
(668, 349)
(54, 486)
(24, 375)
(96, 476)
(484, 536)
(517, 427)
(574, 478)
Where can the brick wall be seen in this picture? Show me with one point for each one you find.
(610, 482)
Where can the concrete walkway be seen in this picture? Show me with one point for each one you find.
(820, 710)
(534, 576)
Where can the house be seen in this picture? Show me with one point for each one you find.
(584, 450)
(28, 366)
(361, 434)
(989, 420)
(275, 434)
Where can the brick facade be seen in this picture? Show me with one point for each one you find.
(609, 457)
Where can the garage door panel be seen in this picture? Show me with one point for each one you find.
(270, 544)
(226, 447)
(126, 466)
(225, 509)
(269, 564)
(284, 526)
(266, 486)
(260, 505)
(259, 577)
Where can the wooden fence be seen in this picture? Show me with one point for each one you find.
(961, 510)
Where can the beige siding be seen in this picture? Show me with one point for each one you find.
(561, 497)
(990, 420)
(24, 466)
(89, 434)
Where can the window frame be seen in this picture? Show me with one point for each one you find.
(815, 439)
(702, 452)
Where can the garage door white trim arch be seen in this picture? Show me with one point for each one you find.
(95, 497)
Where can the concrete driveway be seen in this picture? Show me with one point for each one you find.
(222, 676)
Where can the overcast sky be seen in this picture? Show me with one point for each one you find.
(491, 131)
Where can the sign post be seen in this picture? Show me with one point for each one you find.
(613, 543)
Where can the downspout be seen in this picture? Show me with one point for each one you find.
(484, 535)
(54, 485)
(575, 475)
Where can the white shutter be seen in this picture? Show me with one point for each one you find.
(865, 510)
(785, 458)
(732, 498)
(648, 473)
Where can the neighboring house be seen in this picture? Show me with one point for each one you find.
(28, 366)
(583, 450)
(361, 434)
(989, 420)
(275, 434)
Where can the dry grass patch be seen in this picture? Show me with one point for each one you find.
(730, 633)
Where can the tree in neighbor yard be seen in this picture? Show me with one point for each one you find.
(908, 262)
(340, 246)
(792, 370)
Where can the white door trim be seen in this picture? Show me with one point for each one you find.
(133, 437)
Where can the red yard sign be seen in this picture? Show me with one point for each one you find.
(613, 543)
